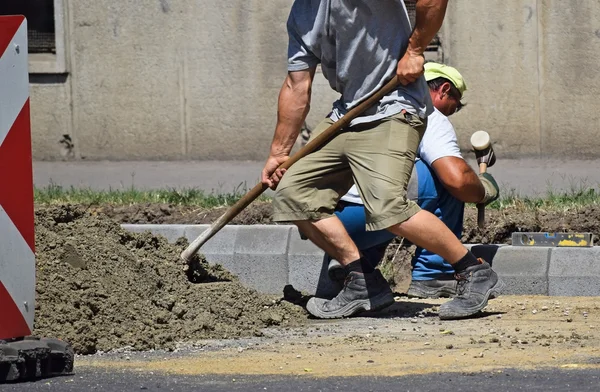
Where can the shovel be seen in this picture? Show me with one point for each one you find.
(319, 141)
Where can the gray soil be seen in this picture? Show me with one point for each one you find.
(102, 288)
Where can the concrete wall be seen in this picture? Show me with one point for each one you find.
(191, 79)
(531, 69)
(165, 79)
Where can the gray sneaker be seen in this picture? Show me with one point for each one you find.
(444, 287)
(361, 292)
(476, 285)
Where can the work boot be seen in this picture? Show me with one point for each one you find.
(475, 286)
(336, 272)
(444, 287)
(361, 292)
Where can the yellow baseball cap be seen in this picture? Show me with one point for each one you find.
(437, 70)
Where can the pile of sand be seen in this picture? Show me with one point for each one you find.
(102, 288)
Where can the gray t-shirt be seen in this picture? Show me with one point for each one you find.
(358, 44)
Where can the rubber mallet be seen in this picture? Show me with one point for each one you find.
(484, 152)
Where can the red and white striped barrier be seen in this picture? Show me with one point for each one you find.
(17, 258)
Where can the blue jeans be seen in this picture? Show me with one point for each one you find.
(433, 197)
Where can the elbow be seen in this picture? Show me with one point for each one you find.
(455, 183)
(464, 190)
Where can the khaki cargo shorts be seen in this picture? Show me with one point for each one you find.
(378, 157)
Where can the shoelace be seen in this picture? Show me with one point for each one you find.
(347, 280)
(462, 280)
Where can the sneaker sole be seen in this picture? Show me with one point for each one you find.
(378, 302)
(492, 293)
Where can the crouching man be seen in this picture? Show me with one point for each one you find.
(441, 183)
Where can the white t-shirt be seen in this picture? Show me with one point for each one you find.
(439, 141)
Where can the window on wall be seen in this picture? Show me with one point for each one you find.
(45, 32)
(40, 22)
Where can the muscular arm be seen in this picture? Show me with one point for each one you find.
(459, 179)
(429, 17)
(293, 106)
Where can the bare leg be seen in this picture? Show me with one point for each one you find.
(330, 235)
(362, 290)
(427, 231)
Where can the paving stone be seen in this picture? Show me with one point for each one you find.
(524, 270)
(304, 260)
(260, 257)
(221, 244)
(574, 271)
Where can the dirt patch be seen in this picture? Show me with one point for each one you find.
(500, 224)
(257, 213)
(102, 288)
(396, 265)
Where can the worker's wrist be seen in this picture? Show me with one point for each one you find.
(279, 152)
(487, 197)
(415, 51)
(492, 191)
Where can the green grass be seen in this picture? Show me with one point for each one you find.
(55, 194)
(580, 196)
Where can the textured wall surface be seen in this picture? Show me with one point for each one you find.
(494, 45)
(531, 69)
(191, 79)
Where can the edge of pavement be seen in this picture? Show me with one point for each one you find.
(268, 257)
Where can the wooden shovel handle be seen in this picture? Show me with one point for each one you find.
(313, 145)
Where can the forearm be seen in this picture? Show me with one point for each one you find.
(459, 179)
(429, 17)
(293, 106)
(471, 189)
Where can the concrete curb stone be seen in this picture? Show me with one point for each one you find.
(267, 257)
(305, 262)
(256, 254)
(574, 272)
(261, 259)
(220, 248)
(523, 269)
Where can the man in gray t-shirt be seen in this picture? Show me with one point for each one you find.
(361, 45)
(364, 60)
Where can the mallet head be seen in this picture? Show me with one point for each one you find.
(480, 140)
(482, 145)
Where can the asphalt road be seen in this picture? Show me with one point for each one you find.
(527, 177)
(507, 380)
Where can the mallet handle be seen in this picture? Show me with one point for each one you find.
(313, 145)
(480, 207)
